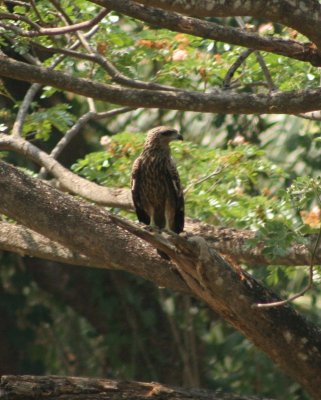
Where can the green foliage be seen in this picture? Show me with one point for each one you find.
(222, 186)
(304, 190)
(41, 122)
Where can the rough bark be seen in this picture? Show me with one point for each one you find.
(68, 181)
(210, 30)
(82, 227)
(231, 242)
(291, 341)
(302, 15)
(55, 387)
(25, 242)
(292, 102)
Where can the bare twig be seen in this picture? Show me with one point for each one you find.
(95, 57)
(260, 60)
(40, 31)
(19, 17)
(304, 290)
(23, 109)
(72, 132)
(114, 73)
(229, 75)
(34, 88)
(204, 178)
(36, 11)
(265, 71)
(91, 105)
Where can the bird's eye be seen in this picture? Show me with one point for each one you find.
(168, 133)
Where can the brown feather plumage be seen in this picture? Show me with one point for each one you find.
(156, 188)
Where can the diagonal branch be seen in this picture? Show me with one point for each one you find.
(234, 67)
(74, 130)
(260, 60)
(291, 341)
(68, 181)
(83, 120)
(32, 91)
(113, 72)
(40, 31)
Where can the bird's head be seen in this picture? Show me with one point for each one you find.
(162, 135)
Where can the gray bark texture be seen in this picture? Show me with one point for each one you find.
(292, 102)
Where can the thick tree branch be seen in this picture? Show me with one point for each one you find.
(302, 15)
(234, 243)
(87, 229)
(283, 334)
(25, 242)
(231, 242)
(69, 388)
(67, 180)
(292, 102)
(210, 30)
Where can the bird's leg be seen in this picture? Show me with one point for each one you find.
(152, 225)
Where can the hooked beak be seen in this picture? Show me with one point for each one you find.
(179, 137)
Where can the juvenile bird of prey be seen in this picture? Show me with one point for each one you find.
(156, 187)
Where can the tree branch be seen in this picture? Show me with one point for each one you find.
(234, 67)
(283, 334)
(40, 31)
(32, 91)
(25, 242)
(232, 242)
(67, 180)
(113, 72)
(43, 209)
(69, 388)
(210, 30)
(227, 241)
(302, 15)
(74, 130)
(292, 102)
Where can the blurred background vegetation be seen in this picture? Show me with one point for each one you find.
(243, 171)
